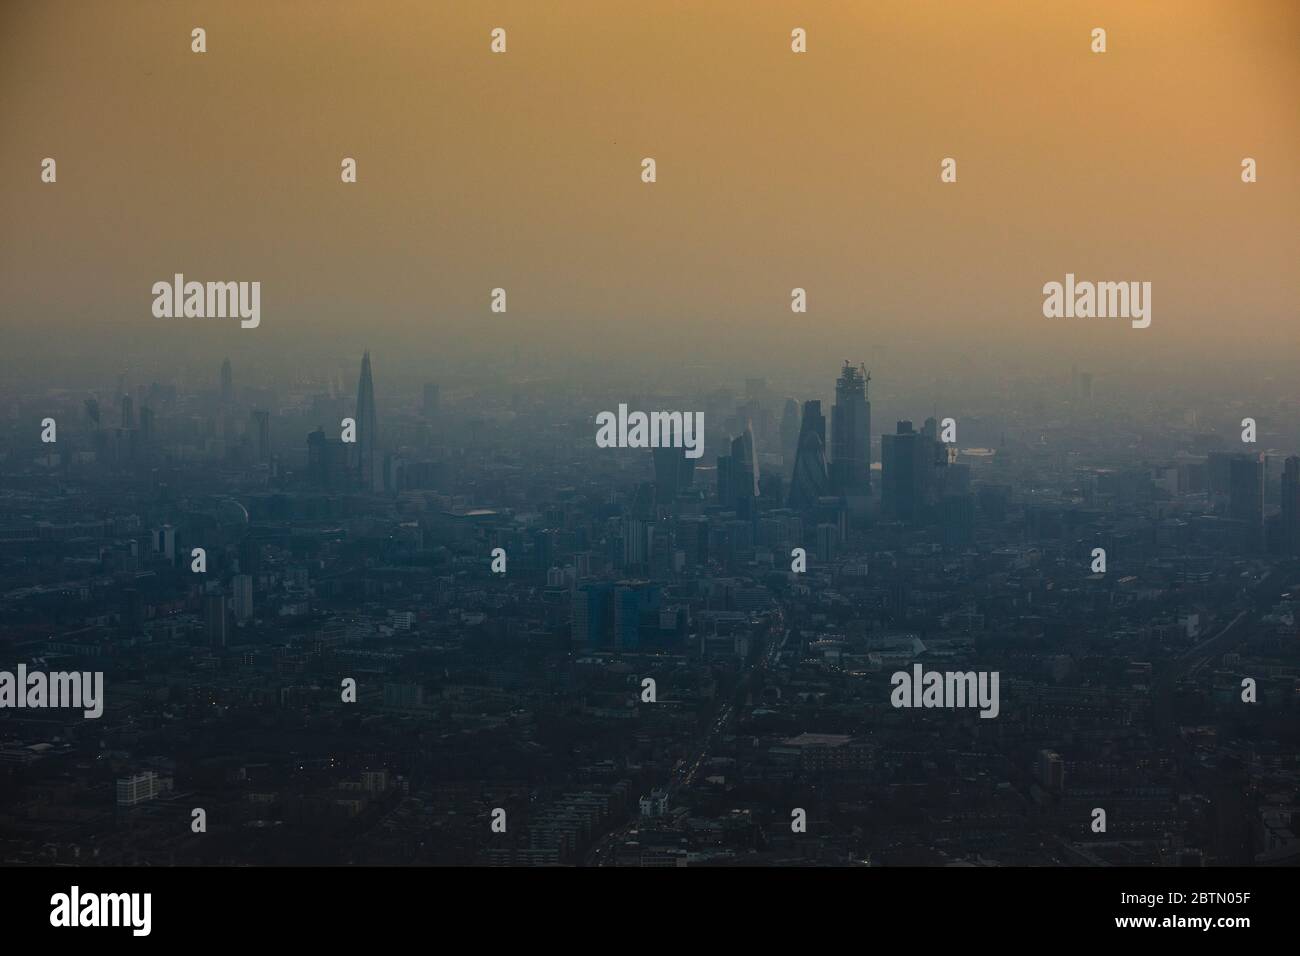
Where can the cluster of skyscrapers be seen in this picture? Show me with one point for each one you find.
(847, 471)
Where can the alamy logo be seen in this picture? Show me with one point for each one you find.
(56, 689)
(211, 300)
(655, 430)
(103, 909)
(1103, 300)
(946, 689)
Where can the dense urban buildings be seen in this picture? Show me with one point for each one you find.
(640, 659)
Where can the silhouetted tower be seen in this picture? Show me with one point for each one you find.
(674, 473)
(214, 612)
(809, 481)
(851, 433)
(368, 471)
(907, 459)
(746, 458)
(1246, 491)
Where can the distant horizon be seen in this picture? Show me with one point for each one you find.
(818, 171)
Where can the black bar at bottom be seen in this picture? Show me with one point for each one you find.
(338, 905)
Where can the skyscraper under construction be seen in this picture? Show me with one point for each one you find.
(851, 434)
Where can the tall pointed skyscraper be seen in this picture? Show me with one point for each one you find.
(809, 481)
(368, 470)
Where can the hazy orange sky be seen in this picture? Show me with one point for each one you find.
(775, 170)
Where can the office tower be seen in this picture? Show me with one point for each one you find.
(128, 412)
(851, 434)
(685, 472)
(809, 480)
(1246, 494)
(738, 474)
(165, 543)
(214, 615)
(907, 460)
(674, 473)
(665, 466)
(638, 540)
(1218, 468)
(227, 383)
(744, 464)
(1246, 489)
(241, 598)
(936, 475)
(429, 405)
(259, 424)
(92, 412)
(1291, 506)
(636, 603)
(368, 470)
(591, 608)
(789, 432)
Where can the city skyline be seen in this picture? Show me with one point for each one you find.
(280, 551)
(858, 435)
